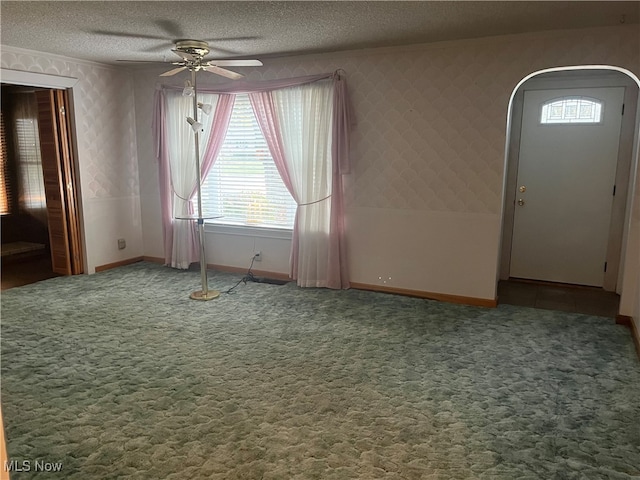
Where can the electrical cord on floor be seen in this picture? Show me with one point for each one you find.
(249, 277)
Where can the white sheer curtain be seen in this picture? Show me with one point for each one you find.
(305, 116)
(316, 118)
(182, 161)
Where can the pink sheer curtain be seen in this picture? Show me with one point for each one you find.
(343, 121)
(336, 260)
(159, 130)
(220, 124)
(219, 128)
(263, 105)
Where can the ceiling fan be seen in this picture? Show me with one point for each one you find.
(192, 53)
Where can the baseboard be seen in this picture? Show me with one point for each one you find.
(159, 260)
(477, 302)
(443, 297)
(259, 273)
(121, 263)
(627, 321)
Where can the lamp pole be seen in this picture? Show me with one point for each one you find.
(205, 293)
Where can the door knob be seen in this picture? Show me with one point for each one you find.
(520, 202)
(523, 189)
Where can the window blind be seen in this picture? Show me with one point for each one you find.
(6, 192)
(32, 194)
(244, 185)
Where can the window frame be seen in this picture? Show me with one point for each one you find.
(564, 122)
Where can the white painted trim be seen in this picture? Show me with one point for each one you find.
(35, 79)
(608, 78)
(53, 56)
(59, 82)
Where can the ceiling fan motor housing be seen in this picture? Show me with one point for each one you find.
(193, 47)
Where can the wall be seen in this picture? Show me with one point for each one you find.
(104, 120)
(630, 298)
(424, 199)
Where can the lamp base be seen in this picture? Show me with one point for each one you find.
(200, 295)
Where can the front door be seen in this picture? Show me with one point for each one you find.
(565, 184)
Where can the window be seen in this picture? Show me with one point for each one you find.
(571, 110)
(5, 185)
(22, 175)
(243, 184)
(32, 196)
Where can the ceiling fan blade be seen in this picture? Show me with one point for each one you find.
(126, 35)
(173, 71)
(171, 27)
(231, 39)
(147, 61)
(236, 63)
(163, 47)
(222, 71)
(225, 51)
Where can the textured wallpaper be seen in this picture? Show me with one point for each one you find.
(105, 120)
(431, 119)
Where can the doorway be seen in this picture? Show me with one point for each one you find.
(567, 178)
(40, 229)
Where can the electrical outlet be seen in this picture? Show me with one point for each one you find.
(122, 244)
(383, 281)
(257, 256)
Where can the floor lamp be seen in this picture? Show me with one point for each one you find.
(204, 293)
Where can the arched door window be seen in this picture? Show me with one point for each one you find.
(571, 110)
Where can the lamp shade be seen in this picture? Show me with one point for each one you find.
(188, 90)
(197, 126)
(205, 107)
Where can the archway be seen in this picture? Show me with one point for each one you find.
(626, 172)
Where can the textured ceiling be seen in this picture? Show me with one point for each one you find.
(112, 30)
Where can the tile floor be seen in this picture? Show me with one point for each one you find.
(568, 298)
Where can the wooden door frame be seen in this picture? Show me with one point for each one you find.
(67, 84)
(587, 77)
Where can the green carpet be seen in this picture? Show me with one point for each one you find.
(119, 375)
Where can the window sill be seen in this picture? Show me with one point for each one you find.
(248, 231)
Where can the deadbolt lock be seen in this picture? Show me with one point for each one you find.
(522, 189)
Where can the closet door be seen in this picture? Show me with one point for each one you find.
(59, 182)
